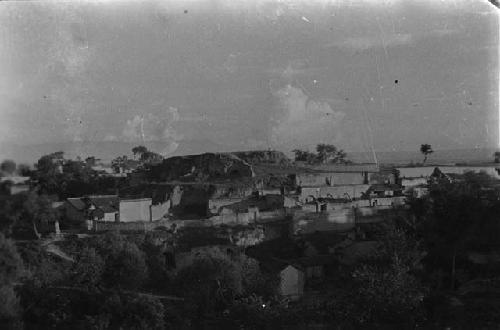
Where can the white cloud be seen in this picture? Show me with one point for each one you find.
(305, 121)
(368, 42)
(154, 127)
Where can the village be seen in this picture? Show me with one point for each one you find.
(298, 220)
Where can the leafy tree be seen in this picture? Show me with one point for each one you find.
(325, 154)
(48, 164)
(125, 267)
(24, 170)
(150, 157)
(135, 312)
(456, 217)
(426, 150)
(10, 271)
(160, 261)
(210, 283)
(497, 156)
(37, 212)
(385, 289)
(88, 269)
(24, 215)
(10, 260)
(254, 281)
(328, 153)
(8, 167)
(91, 161)
(119, 163)
(304, 156)
(139, 151)
(386, 294)
(48, 173)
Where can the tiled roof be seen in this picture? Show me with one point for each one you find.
(106, 203)
(77, 203)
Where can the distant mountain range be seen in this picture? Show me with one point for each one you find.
(107, 150)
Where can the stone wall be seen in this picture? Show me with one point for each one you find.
(158, 211)
(337, 192)
(135, 210)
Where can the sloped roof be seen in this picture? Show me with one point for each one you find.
(77, 203)
(106, 203)
(15, 179)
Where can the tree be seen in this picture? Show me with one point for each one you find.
(91, 161)
(24, 170)
(88, 269)
(48, 173)
(455, 217)
(139, 151)
(125, 267)
(426, 150)
(304, 156)
(328, 153)
(37, 212)
(210, 283)
(386, 294)
(325, 154)
(497, 156)
(386, 290)
(10, 271)
(150, 157)
(134, 312)
(119, 163)
(8, 167)
(254, 281)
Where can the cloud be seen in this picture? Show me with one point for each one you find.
(365, 43)
(110, 137)
(154, 128)
(442, 32)
(305, 121)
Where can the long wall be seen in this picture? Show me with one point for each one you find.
(135, 210)
(159, 210)
(351, 191)
(426, 171)
(330, 179)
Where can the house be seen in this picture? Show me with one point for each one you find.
(386, 175)
(16, 184)
(299, 273)
(333, 174)
(95, 207)
(132, 210)
(292, 281)
(426, 171)
(215, 205)
(348, 192)
(418, 191)
(385, 190)
(409, 183)
(110, 208)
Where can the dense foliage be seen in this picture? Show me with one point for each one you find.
(325, 154)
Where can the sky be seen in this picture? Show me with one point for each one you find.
(251, 74)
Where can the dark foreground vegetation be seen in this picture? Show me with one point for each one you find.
(435, 267)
